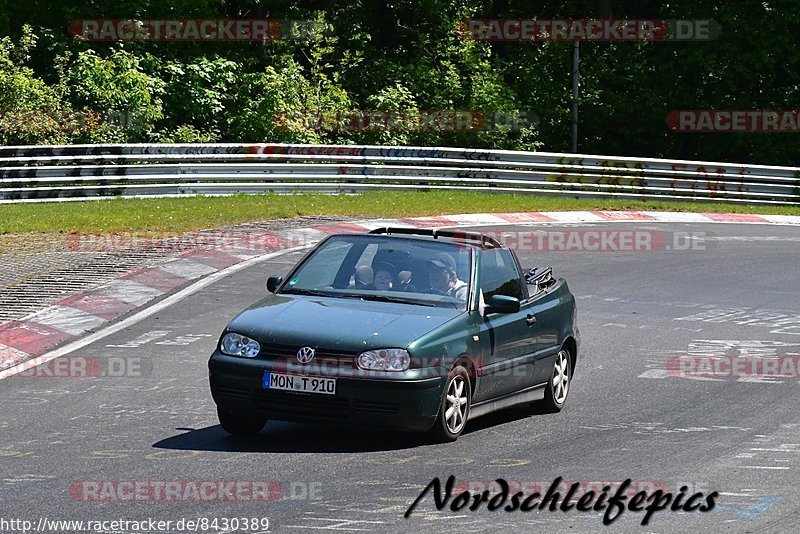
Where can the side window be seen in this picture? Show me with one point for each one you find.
(499, 275)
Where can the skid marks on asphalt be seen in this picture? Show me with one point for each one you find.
(25, 485)
(336, 524)
(765, 467)
(390, 511)
(29, 397)
(660, 429)
(778, 321)
(157, 414)
(649, 303)
(779, 451)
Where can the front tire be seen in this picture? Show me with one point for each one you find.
(454, 409)
(558, 386)
(237, 425)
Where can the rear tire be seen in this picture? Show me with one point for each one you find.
(454, 408)
(238, 425)
(557, 390)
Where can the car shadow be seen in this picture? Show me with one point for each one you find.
(505, 416)
(292, 437)
(296, 437)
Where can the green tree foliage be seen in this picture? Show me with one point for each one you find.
(397, 55)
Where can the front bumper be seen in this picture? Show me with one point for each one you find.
(396, 402)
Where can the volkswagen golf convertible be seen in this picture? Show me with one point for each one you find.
(418, 330)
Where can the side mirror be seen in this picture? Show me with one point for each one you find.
(273, 282)
(502, 304)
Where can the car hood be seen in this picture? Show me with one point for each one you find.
(338, 324)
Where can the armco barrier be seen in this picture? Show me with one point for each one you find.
(72, 172)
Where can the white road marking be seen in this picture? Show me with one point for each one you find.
(782, 219)
(339, 524)
(655, 373)
(677, 217)
(302, 236)
(383, 223)
(575, 216)
(184, 340)
(187, 269)
(759, 380)
(144, 314)
(745, 239)
(129, 291)
(145, 338)
(8, 355)
(760, 467)
(476, 219)
(67, 319)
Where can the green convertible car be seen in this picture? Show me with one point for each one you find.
(401, 328)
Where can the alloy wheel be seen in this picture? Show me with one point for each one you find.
(561, 377)
(456, 404)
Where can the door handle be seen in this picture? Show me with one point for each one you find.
(530, 319)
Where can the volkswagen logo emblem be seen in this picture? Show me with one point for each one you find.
(305, 355)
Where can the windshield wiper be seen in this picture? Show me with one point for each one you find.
(387, 298)
(312, 292)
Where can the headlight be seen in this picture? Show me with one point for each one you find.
(236, 345)
(384, 360)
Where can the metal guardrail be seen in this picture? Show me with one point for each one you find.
(79, 172)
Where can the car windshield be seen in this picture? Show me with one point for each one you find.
(383, 268)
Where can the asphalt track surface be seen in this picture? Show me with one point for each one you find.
(627, 417)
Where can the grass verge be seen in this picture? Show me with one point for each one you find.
(196, 213)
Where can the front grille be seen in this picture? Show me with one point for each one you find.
(233, 393)
(299, 404)
(329, 361)
(376, 407)
(290, 403)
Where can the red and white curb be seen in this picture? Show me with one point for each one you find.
(84, 312)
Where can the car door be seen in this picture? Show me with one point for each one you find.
(545, 306)
(508, 340)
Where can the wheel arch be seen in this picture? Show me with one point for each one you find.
(572, 346)
(465, 361)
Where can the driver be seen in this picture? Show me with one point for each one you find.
(443, 279)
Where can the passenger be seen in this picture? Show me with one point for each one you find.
(364, 277)
(443, 278)
(385, 276)
(404, 282)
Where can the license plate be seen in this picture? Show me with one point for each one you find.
(302, 384)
